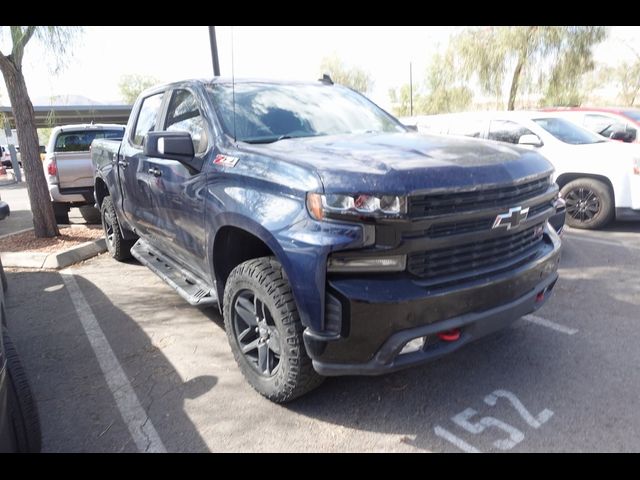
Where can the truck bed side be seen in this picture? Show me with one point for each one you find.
(104, 158)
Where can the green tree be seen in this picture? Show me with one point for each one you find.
(447, 92)
(58, 41)
(442, 91)
(627, 78)
(567, 82)
(131, 85)
(353, 77)
(496, 56)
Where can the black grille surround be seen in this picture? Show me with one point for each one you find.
(475, 256)
(422, 206)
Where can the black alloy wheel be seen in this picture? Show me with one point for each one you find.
(256, 333)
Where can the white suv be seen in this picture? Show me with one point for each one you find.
(598, 178)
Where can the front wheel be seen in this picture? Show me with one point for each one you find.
(265, 332)
(589, 203)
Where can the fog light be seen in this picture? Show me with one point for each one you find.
(393, 263)
(413, 346)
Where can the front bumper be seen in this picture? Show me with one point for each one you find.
(381, 315)
(557, 220)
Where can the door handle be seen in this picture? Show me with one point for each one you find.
(155, 172)
(123, 163)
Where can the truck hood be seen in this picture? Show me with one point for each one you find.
(405, 162)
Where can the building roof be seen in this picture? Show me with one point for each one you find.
(55, 115)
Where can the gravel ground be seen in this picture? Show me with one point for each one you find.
(69, 237)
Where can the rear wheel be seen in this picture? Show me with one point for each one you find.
(118, 247)
(61, 212)
(589, 203)
(265, 332)
(90, 214)
(22, 406)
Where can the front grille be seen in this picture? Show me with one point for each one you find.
(450, 203)
(470, 257)
(458, 228)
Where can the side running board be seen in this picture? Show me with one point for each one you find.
(192, 289)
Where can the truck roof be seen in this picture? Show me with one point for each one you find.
(227, 80)
(88, 126)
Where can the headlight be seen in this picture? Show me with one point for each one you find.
(321, 206)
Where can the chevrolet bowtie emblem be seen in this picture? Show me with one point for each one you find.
(512, 218)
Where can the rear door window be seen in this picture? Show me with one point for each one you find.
(80, 141)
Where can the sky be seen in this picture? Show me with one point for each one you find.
(101, 55)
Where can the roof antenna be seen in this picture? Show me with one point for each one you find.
(233, 90)
(326, 79)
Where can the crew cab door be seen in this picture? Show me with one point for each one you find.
(177, 192)
(137, 196)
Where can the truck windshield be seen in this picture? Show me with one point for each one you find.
(568, 132)
(265, 113)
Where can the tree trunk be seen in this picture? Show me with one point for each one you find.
(44, 221)
(515, 81)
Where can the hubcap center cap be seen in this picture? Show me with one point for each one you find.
(263, 331)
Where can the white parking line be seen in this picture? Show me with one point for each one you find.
(597, 240)
(142, 430)
(549, 324)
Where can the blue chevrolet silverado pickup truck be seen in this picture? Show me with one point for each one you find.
(333, 240)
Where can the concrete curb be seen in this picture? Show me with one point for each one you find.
(54, 261)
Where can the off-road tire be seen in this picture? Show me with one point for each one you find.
(22, 407)
(294, 376)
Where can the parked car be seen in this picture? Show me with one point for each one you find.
(615, 123)
(19, 421)
(333, 241)
(598, 178)
(6, 156)
(67, 167)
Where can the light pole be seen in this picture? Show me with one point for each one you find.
(410, 90)
(214, 51)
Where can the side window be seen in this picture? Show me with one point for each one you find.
(467, 127)
(505, 131)
(598, 123)
(147, 117)
(184, 116)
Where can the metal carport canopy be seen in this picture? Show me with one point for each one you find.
(54, 115)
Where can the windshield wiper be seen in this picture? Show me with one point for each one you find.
(276, 138)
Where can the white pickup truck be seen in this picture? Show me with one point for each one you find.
(68, 168)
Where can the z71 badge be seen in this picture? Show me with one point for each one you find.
(227, 160)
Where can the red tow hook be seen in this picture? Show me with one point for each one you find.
(450, 335)
(540, 297)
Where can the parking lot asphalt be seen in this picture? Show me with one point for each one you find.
(119, 362)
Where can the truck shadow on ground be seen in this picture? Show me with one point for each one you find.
(77, 409)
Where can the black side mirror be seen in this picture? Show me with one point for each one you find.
(411, 128)
(622, 135)
(172, 146)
